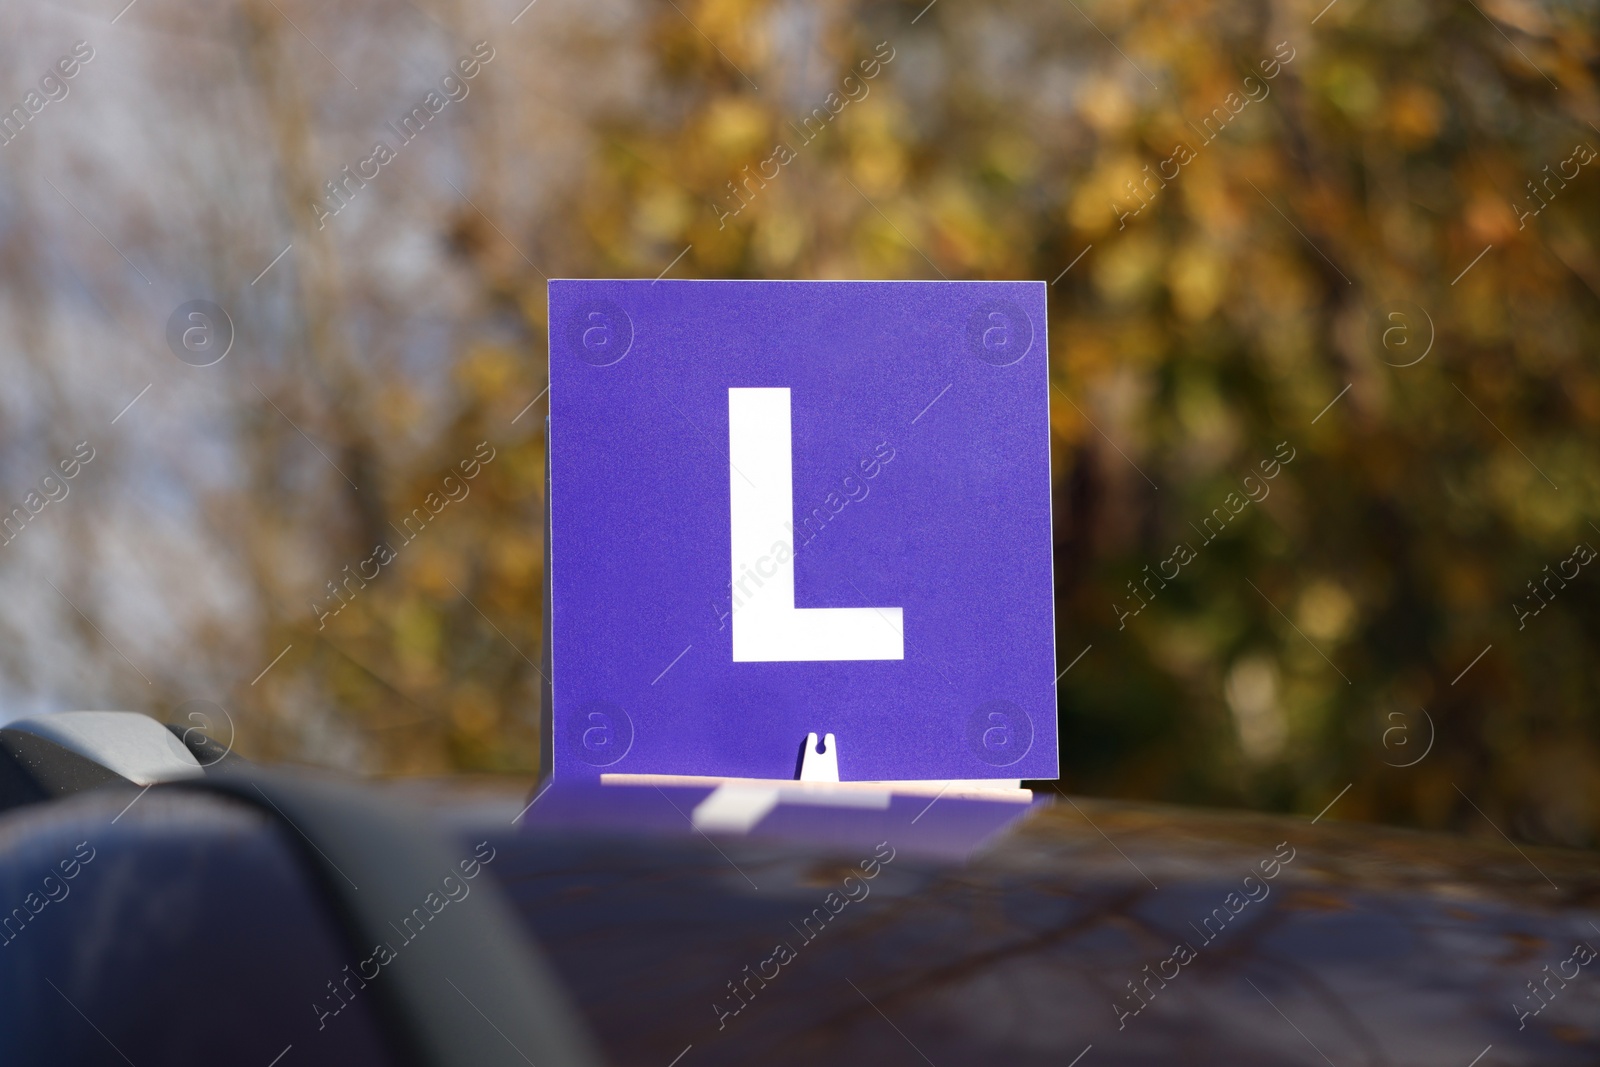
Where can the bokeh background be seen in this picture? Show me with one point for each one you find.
(1350, 267)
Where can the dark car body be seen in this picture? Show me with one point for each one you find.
(207, 928)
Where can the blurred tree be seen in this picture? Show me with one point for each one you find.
(1355, 243)
(1265, 210)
